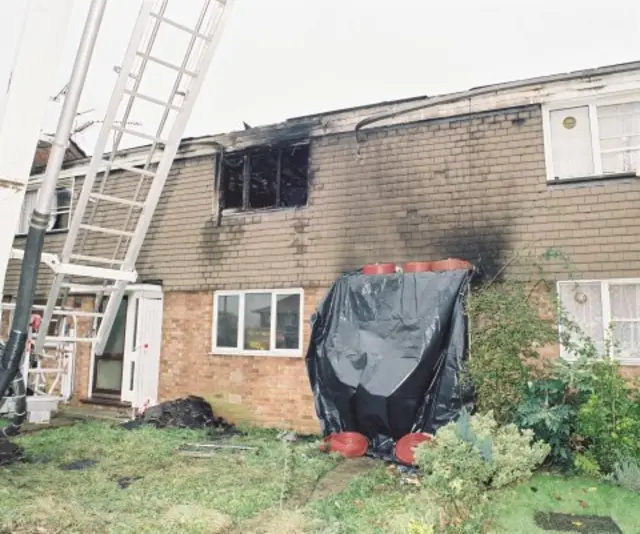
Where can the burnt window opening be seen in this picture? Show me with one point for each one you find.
(60, 210)
(264, 178)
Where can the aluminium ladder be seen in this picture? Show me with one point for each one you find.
(107, 274)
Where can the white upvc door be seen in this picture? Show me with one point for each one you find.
(141, 366)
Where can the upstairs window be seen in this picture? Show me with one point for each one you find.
(265, 178)
(591, 140)
(607, 312)
(60, 211)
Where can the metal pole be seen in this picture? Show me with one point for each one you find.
(14, 350)
(70, 106)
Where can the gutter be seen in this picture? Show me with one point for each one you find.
(492, 89)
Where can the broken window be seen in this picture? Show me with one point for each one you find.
(265, 177)
(60, 210)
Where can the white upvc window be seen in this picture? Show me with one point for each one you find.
(60, 210)
(596, 138)
(258, 322)
(608, 312)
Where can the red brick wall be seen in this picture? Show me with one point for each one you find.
(267, 391)
(83, 354)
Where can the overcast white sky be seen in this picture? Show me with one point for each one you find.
(283, 58)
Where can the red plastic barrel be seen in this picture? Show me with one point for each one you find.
(451, 264)
(379, 268)
(405, 446)
(347, 444)
(416, 266)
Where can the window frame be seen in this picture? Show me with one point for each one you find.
(606, 315)
(592, 103)
(69, 211)
(292, 353)
(247, 154)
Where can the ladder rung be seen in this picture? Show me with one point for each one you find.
(180, 26)
(100, 273)
(117, 200)
(133, 168)
(56, 311)
(96, 259)
(151, 99)
(87, 288)
(55, 339)
(108, 231)
(142, 135)
(164, 63)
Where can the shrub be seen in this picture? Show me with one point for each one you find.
(473, 454)
(609, 419)
(506, 334)
(586, 465)
(626, 474)
(545, 411)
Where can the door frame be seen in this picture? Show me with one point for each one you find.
(133, 292)
(92, 385)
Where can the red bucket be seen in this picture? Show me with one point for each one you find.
(379, 268)
(451, 264)
(416, 267)
(405, 447)
(347, 444)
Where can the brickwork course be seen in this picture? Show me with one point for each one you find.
(471, 186)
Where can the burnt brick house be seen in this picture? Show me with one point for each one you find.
(255, 225)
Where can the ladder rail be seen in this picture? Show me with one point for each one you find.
(165, 115)
(83, 257)
(123, 79)
(162, 172)
(120, 133)
(96, 162)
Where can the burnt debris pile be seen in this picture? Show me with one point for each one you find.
(10, 452)
(190, 412)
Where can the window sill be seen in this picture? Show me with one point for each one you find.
(629, 362)
(258, 353)
(592, 180)
(624, 362)
(234, 212)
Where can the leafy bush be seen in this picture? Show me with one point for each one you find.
(583, 407)
(586, 465)
(545, 411)
(609, 419)
(626, 474)
(551, 402)
(506, 332)
(473, 454)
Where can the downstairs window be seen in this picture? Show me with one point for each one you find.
(259, 323)
(607, 312)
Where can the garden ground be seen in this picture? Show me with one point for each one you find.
(272, 488)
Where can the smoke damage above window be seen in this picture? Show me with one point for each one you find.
(266, 177)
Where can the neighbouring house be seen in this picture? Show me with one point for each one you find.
(254, 226)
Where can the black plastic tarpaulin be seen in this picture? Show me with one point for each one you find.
(386, 354)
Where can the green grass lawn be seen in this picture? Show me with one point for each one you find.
(175, 494)
(241, 492)
(516, 506)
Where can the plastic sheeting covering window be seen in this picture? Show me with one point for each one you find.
(386, 354)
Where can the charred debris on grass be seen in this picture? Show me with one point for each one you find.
(190, 412)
